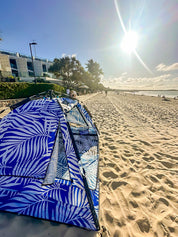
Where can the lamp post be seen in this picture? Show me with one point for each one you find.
(30, 44)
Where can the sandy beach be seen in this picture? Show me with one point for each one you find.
(138, 171)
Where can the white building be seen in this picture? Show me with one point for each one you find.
(17, 65)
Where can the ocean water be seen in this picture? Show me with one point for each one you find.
(170, 94)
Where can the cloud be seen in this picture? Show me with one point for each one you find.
(70, 56)
(163, 68)
(161, 82)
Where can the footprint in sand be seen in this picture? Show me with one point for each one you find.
(169, 183)
(126, 151)
(163, 200)
(148, 158)
(150, 167)
(116, 168)
(171, 229)
(112, 147)
(144, 225)
(167, 164)
(172, 198)
(174, 218)
(108, 139)
(115, 152)
(136, 194)
(128, 154)
(159, 201)
(134, 204)
(109, 217)
(110, 175)
(111, 165)
(121, 142)
(160, 176)
(132, 169)
(124, 174)
(131, 217)
(120, 222)
(116, 184)
(153, 179)
(123, 158)
(106, 133)
(132, 160)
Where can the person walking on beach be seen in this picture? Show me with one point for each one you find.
(106, 92)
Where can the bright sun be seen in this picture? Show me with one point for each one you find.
(129, 42)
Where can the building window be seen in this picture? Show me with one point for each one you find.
(44, 68)
(14, 67)
(15, 73)
(31, 74)
(30, 66)
(13, 63)
(30, 69)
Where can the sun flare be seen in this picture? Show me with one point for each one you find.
(129, 42)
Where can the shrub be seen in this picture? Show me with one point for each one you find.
(23, 89)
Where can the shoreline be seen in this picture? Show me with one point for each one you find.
(162, 94)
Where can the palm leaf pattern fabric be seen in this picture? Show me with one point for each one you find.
(88, 151)
(27, 143)
(28, 137)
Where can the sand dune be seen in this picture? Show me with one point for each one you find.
(138, 172)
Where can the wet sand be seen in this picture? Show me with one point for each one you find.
(138, 171)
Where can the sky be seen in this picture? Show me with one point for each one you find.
(94, 29)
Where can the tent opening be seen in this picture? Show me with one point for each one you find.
(58, 166)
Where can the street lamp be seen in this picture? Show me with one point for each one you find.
(30, 44)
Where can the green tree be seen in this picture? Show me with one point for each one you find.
(95, 70)
(88, 80)
(94, 75)
(69, 68)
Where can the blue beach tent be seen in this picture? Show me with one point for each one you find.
(49, 162)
